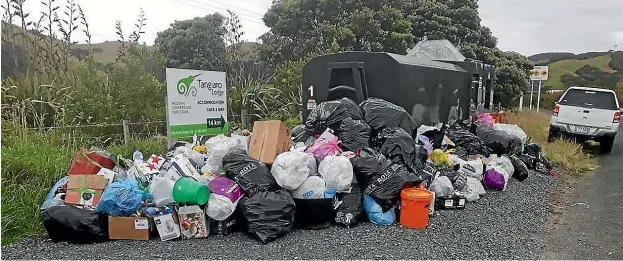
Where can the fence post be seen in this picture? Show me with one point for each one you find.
(126, 132)
(244, 119)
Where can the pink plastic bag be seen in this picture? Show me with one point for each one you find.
(485, 119)
(325, 148)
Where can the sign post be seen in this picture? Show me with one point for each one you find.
(540, 74)
(196, 103)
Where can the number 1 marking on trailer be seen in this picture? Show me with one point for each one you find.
(311, 90)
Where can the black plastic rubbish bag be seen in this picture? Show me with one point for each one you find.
(381, 114)
(468, 142)
(298, 130)
(313, 213)
(521, 170)
(399, 147)
(386, 188)
(350, 208)
(367, 166)
(252, 175)
(75, 225)
(327, 114)
(499, 141)
(353, 109)
(458, 178)
(354, 134)
(268, 215)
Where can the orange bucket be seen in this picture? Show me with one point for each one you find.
(414, 205)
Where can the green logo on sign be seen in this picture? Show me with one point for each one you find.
(184, 88)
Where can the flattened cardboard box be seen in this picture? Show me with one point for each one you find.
(269, 139)
(85, 190)
(131, 228)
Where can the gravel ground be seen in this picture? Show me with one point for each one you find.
(501, 225)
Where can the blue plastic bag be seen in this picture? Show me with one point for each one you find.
(375, 212)
(48, 199)
(121, 198)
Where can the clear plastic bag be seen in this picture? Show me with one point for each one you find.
(291, 168)
(512, 129)
(162, 190)
(442, 186)
(218, 147)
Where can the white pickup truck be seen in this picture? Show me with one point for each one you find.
(585, 114)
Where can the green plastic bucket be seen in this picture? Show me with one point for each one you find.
(189, 191)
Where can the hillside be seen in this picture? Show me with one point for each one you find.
(106, 52)
(594, 69)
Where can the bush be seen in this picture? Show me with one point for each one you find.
(31, 164)
(616, 62)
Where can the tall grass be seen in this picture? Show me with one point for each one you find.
(565, 154)
(31, 164)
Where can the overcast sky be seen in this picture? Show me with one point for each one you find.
(526, 26)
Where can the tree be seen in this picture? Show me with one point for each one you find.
(301, 28)
(512, 71)
(197, 44)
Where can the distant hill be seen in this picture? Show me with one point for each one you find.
(106, 52)
(592, 69)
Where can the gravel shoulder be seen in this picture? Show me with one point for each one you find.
(501, 225)
(587, 218)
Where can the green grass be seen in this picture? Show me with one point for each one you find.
(565, 154)
(32, 163)
(569, 66)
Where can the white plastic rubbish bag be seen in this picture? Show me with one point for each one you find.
(312, 188)
(291, 168)
(513, 130)
(442, 186)
(195, 157)
(162, 190)
(473, 190)
(502, 162)
(337, 172)
(220, 207)
(218, 147)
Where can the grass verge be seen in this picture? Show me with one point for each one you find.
(32, 163)
(565, 154)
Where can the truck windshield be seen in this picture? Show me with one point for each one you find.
(589, 99)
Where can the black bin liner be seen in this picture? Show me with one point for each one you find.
(268, 215)
(350, 208)
(353, 109)
(499, 141)
(327, 114)
(313, 213)
(386, 188)
(252, 175)
(521, 170)
(354, 134)
(381, 114)
(468, 142)
(367, 166)
(399, 147)
(224, 227)
(75, 225)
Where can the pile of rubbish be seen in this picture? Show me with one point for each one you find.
(348, 164)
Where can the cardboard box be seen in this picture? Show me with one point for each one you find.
(85, 190)
(193, 222)
(168, 226)
(131, 228)
(181, 167)
(269, 139)
(108, 174)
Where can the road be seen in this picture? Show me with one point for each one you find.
(588, 223)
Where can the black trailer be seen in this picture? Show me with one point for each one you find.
(432, 91)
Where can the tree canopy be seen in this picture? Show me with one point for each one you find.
(197, 43)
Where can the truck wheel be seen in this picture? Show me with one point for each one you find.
(606, 145)
(552, 136)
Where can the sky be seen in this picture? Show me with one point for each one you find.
(525, 26)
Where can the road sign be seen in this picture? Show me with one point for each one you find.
(539, 73)
(196, 103)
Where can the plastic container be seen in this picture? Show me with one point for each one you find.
(162, 191)
(190, 191)
(89, 162)
(414, 207)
